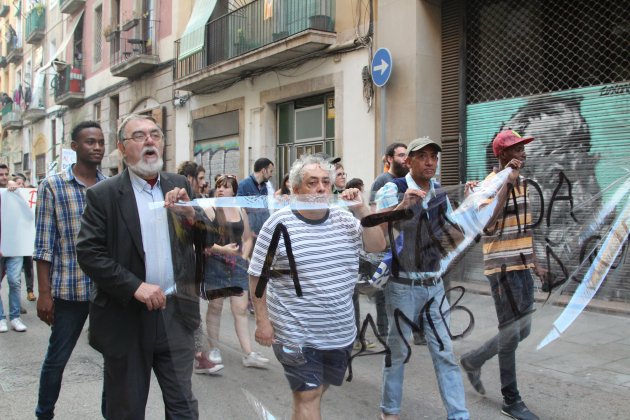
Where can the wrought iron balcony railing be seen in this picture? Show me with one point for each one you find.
(36, 25)
(135, 49)
(253, 26)
(69, 86)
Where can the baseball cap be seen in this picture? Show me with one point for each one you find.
(508, 138)
(19, 175)
(421, 143)
(331, 160)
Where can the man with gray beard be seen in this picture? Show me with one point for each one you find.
(144, 309)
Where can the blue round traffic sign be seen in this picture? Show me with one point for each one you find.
(381, 66)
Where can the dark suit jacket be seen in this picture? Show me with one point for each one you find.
(110, 251)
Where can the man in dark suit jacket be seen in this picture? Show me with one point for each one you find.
(144, 309)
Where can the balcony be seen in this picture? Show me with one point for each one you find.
(254, 38)
(36, 25)
(33, 113)
(69, 87)
(134, 50)
(71, 6)
(14, 50)
(11, 120)
(4, 9)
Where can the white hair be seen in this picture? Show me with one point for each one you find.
(296, 174)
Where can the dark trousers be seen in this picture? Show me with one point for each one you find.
(513, 299)
(381, 313)
(165, 346)
(69, 320)
(27, 265)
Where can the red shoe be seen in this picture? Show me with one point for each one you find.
(204, 366)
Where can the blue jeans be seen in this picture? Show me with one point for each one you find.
(410, 299)
(513, 307)
(13, 265)
(69, 320)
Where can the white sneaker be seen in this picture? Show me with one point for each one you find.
(18, 325)
(215, 356)
(256, 360)
(3, 326)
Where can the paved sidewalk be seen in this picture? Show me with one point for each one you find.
(583, 375)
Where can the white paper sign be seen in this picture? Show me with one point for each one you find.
(17, 215)
(68, 157)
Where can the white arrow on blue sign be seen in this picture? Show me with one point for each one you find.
(381, 66)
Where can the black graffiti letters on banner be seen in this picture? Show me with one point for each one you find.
(266, 272)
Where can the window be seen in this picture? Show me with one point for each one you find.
(98, 34)
(97, 112)
(304, 126)
(40, 167)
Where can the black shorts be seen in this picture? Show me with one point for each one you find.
(315, 368)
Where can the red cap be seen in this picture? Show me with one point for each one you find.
(508, 138)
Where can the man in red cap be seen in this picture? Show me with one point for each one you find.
(508, 253)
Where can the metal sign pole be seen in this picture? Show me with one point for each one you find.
(383, 119)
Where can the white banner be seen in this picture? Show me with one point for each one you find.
(17, 215)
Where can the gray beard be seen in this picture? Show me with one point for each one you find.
(147, 170)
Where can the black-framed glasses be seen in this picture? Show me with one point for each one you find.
(141, 137)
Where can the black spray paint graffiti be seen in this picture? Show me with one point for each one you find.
(416, 327)
(558, 270)
(267, 272)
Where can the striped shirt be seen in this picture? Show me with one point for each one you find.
(327, 258)
(510, 242)
(60, 204)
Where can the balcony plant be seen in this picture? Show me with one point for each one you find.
(39, 8)
(111, 32)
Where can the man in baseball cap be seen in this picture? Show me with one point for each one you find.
(415, 285)
(508, 138)
(421, 143)
(509, 258)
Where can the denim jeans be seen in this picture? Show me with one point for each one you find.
(13, 265)
(515, 322)
(69, 320)
(410, 300)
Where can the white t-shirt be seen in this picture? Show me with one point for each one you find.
(326, 255)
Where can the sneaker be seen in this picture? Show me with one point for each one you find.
(204, 366)
(18, 325)
(4, 327)
(418, 339)
(255, 359)
(30, 296)
(369, 344)
(474, 375)
(215, 356)
(518, 410)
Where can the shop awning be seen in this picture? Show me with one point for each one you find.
(192, 39)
